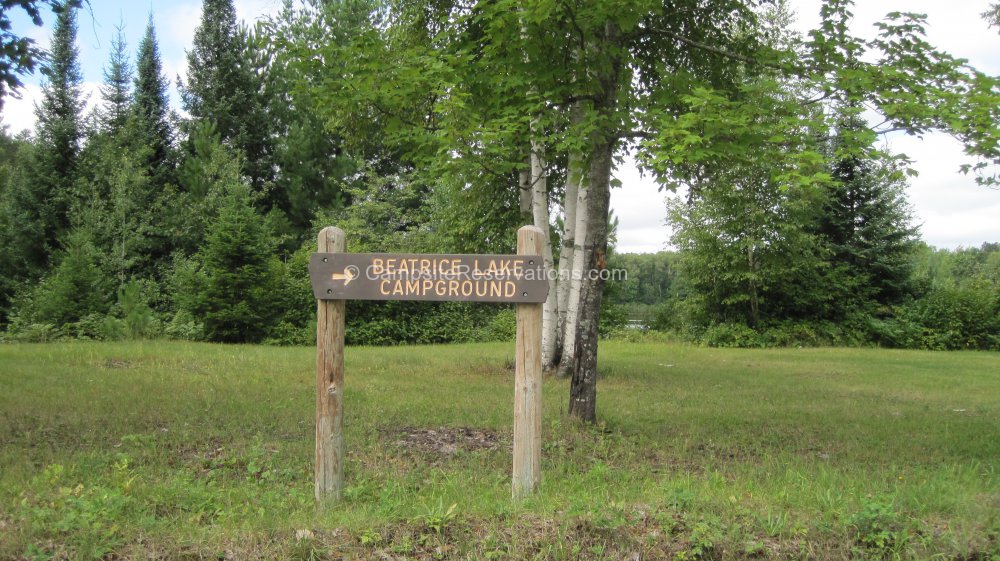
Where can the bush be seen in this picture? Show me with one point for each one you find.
(73, 290)
(958, 318)
(729, 335)
(98, 327)
(642, 336)
(400, 322)
(34, 333)
(185, 327)
(287, 335)
(944, 319)
(668, 315)
(613, 317)
(502, 326)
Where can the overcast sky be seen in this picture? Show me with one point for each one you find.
(951, 209)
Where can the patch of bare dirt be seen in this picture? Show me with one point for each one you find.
(117, 364)
(445, 440)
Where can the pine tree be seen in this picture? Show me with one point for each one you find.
(224, 89)
(230, 284)
(866, 224)
(43, 207)
(115, 92)
(18, 230)
(151, 108)
(18, 54)
(75, 288)
(59, 114)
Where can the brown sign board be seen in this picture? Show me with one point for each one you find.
(517, 279)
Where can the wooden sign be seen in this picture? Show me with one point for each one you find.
(518, 279)
(338, 276)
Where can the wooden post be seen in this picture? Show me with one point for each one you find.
(528, 379)
(329, 479)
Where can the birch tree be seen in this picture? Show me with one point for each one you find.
(670, 82)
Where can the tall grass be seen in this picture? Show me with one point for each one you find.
(173, 450)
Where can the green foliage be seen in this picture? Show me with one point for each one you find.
(229, 285)
(878, 529)
(704, 535)
(865, 223)
(745, 252)
(202, 177)
(185, 327)
(40, 206)
(224, 89)
(956, 319)
(992, 15)
(122, 208)
(732, 335)
(116, 92)
(73, 290)
(150, 109)
(19, 235)
(613, 318)
(421, 150)
(19, 55)
(314, 165)
(437, 518)
(393, 323)
(139, 320)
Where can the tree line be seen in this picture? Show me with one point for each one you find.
(130, 221)
(943, 300)
(444, 127)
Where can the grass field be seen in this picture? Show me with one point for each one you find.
(192, 451)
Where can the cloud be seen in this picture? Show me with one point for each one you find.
(952, 210)
(19, 114)
(641, 210)
(250, 11)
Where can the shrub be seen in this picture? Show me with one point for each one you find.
(613, 317)
(185, 327)
(944, 319)
(229, 286)
(732, 335)
(287, 335)
(502, 326)
(74, 289)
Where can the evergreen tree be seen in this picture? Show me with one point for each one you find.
(59, 114)
(115, 92)
(151, 108)
(74, 289)
(18, 233)
(230, 284)
(18, 54)
(210, 164)
(866, 224)
(121, 210)
(42, 204)
(225, 89)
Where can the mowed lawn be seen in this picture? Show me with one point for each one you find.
(168, 450)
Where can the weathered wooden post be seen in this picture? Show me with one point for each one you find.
(528, 378)
(329, 479)
(338, 276)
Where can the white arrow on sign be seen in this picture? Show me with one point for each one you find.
(349, 274)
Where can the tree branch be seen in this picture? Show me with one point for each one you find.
(722, 52)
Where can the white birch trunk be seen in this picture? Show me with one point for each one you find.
(574, 175)
(540, 214)
(524, 190)
(567, 363)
